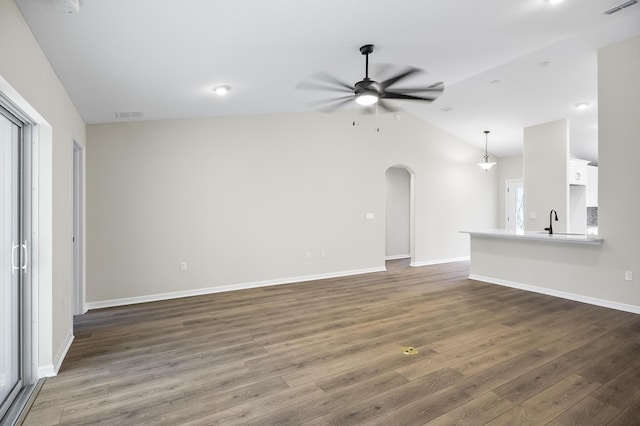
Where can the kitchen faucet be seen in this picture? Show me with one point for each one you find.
(550, 228)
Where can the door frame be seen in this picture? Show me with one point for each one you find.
(43, 362)
(79, 286)
(411, 209)
(27, 283)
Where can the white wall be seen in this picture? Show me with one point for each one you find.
(508, 168)
(397, 201)
(26, 70)
(243, 200)
(545, 153)
(591, 273)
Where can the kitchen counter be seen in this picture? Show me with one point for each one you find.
(537, 236)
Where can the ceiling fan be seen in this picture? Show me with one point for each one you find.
(368, 92)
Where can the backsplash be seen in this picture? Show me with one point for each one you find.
(592, 216)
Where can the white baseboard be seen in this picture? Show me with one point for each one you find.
(220, 289)
(440, 261)
(62, 352)
(51, 370)
(398, 257)
(46, 371)
(557, 293)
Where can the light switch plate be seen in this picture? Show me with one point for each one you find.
(371, 216)
(533, 215)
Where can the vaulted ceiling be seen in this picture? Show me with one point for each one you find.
(506, 64)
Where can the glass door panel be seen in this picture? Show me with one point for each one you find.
(12, 254)
(515, 205)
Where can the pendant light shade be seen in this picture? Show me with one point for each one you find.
(486, 165)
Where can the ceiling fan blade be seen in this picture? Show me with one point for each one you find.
(332, 80)
(382, 69)
(330, 100)
(438, 89)
(404, 74)
(396, 95)
(386, 107)
(306, 85)
(329, 105)
(381, 106)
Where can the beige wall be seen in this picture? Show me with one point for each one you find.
(618, 171)
(545, 153)
(243, 200)
(594, 274)
(26, 69)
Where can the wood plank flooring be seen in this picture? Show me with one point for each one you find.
(330, 353)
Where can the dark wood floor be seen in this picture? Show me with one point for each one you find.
(330, 353)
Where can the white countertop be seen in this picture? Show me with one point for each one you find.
(537, 236)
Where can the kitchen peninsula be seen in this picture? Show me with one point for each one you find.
(557, 264)
(558, 237)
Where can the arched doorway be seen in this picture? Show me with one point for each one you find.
(399, 218)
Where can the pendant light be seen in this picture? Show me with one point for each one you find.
(486, 165)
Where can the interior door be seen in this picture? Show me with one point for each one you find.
(515, 205)
(13, 254)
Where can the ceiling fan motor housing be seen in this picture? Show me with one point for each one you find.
(368, 85)
(366, 49)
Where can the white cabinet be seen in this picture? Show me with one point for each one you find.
(577, 171)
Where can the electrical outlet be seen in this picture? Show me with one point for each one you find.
(183, 266)
(628, 275)
(323, 254)
(307, 255)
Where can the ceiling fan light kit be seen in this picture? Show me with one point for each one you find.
(367, 98)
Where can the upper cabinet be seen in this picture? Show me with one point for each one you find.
(577, 169)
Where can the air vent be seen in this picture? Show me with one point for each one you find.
(123, 115)
(619, 7)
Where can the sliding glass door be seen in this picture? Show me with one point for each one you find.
(13, 258)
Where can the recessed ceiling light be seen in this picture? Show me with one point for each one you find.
(221, 90)
(446, 109)
(582, 105)
(67, 6)
(554, 1)
(495, 81)
(545, 64)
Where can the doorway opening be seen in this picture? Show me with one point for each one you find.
(399, 216)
